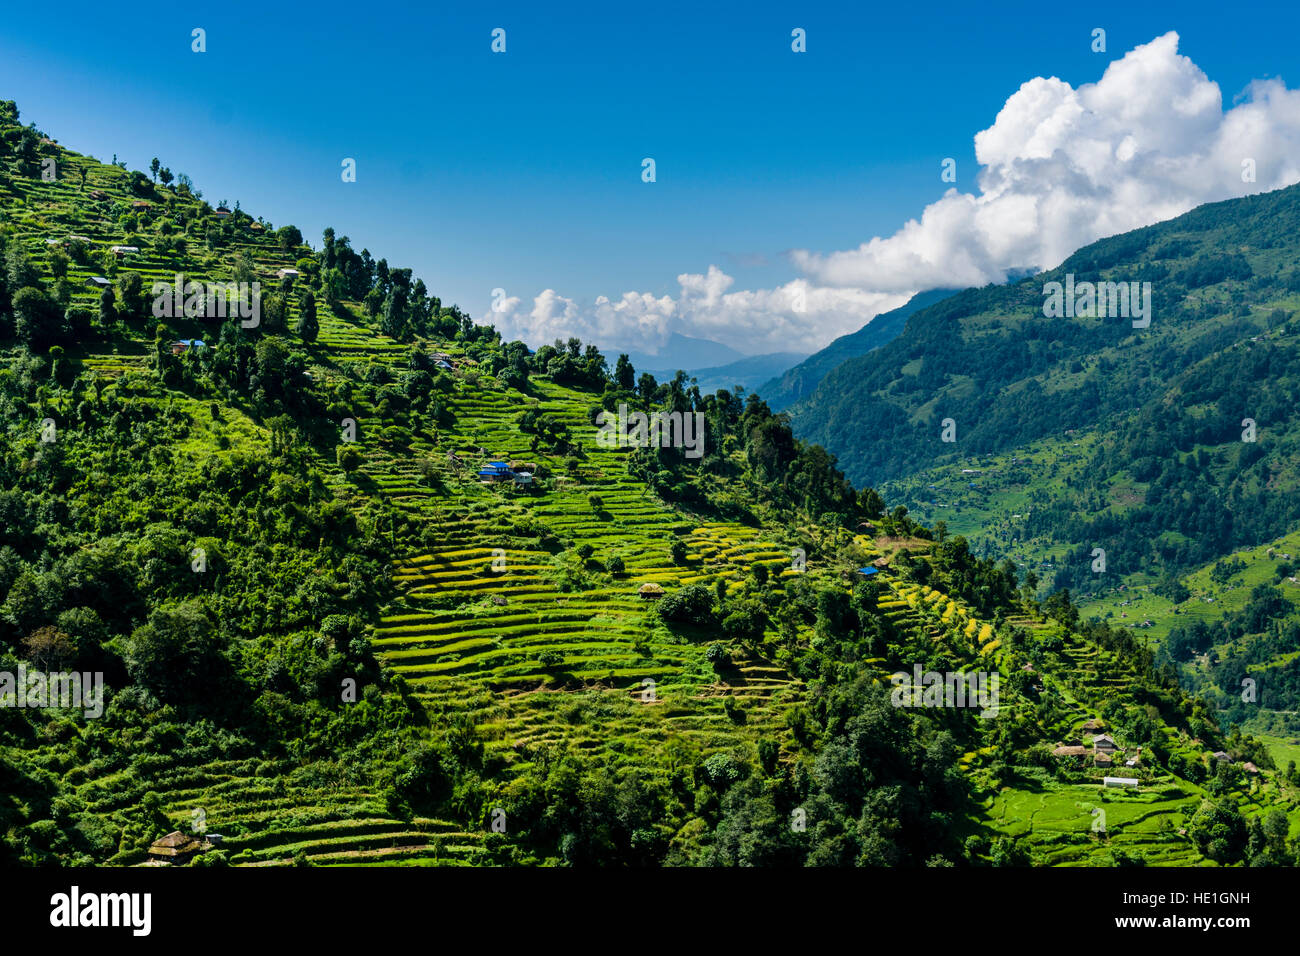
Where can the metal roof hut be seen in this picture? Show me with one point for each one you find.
(495, 471)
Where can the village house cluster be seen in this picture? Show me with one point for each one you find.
(1104, 752)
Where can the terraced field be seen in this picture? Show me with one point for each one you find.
(268, 812)
(478, 611)
(1067, 824)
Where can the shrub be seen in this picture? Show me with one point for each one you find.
(349, 458)
(720, 771)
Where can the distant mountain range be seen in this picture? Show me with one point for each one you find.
(711, 363)
(745, 373)
(680, 351)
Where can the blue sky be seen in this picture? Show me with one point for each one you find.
(521, 170)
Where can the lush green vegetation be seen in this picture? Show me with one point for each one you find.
(1171, 449)
(324, 638)
(1166, 478)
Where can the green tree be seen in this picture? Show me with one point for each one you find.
(692, 604)
(290, 237)
(37, 318)
(624, 373)
(20, 271)
(348, 457)
(272, 356)
(130, 287)
(175, 653)
(308, 326)
(1219, 830)
(59, 263)
(275, 313)
(107, 309)
(746, 622)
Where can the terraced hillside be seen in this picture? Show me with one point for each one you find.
(329, 639)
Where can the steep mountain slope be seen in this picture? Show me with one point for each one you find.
(802, 380)
(324, 637)
(1121, 463)
(1176, 475)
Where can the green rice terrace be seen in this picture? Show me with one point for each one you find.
(365, 588)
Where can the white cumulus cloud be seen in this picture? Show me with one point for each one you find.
(1059, 168)
(1062, 167)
